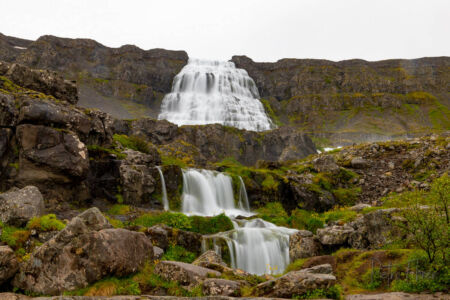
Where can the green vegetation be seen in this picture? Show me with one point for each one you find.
(132, 142)
(203, 225)
(109, 287)
(13, 236)
(274, 212)
(296, 265)
(347, 196)
(14, 165)
(270, 112)
(46, 223)
(178, 253)
(119, 209)
(334, 292)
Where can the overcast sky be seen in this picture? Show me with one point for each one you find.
(265, 30)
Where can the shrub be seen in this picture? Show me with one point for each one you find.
(347, 197)
(413, 285)
(46, 223)
(178, 253)
(334, 292)
(132, 142)
(371, 280)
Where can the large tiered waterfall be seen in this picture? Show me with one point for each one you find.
(256, 246)
(208, 92)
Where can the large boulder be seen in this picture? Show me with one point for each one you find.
(303, 244)
(183, 273)
(17, 207)
(325, 163)
(87, 250)
(295, 283)
(8, 264)
(8, 110)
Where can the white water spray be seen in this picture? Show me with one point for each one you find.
(165, 201)
(208, 92)
(256, 246)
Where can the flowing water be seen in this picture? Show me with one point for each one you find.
(208, 92)
(256, 246)
(165, 201)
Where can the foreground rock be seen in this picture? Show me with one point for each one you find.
(295, 283)
(209, 257)
(183, 273)
(87, 250)
(11, 296)
(163, 236)
(17, 207)
(223, 287)
(8, 264)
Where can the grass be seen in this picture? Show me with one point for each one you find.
(96, 150)
(132, 142)
(119, 209)
(13, 236)
(178, 253)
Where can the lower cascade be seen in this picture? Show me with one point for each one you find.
(208, 92)
(256, 246)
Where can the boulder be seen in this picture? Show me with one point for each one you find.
(372, 230)
(320, 260)
(183, 273)
(17, 207)
(325, 163)
(359, 207)
(359, 163)
(157, 252)
(8, 264)
(163, 236)
(222, 287)
(87, 250)
(303, 244)
(209, 257)
(295, 283)
(319, 269)
(334, 235)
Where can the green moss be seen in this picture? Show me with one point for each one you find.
(270, 112)
(13, 236)
(269, 183)
(132, 142)
(109, 287)
(211, 225)
(274, 212)
(119, 209)
(343, 215)
(101, 80)
(296, 265)
(15, 166)
(46, 223)
(171, 160)
(324, 180)
(115, 222)
(96, 150)
(178, 253)
(302, 219)
(119, 198)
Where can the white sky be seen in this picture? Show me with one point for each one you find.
(265, 30)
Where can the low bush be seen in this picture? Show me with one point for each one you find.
(46, 223)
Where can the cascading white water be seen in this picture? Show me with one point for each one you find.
(208, 92)
(256, 246)
(165, 201)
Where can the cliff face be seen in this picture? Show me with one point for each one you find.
(112, 79)
(355, 100)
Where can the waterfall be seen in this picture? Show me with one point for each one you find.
(256, 246)
(165, 201)
(208, 92)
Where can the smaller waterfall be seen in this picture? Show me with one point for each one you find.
(165, 201)
(243, 199)
(209, 193)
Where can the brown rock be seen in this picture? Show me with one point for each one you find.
(223, 287)
(303, 244)
(17, 207)
(8, 264)
(185, 274)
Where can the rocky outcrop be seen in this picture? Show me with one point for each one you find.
(85, 251)
(18, 206)
(303, 244)
(183, 273)
(44, 81)
(163, 236)
(334, 235)
(295, 283)
(8, 264)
